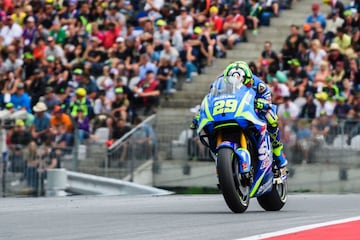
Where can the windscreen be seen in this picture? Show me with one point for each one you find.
(225, 86)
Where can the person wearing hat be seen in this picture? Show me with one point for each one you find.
(323, 105)
(161, 34)
(184, 22)
(121, 104)
(81, 102)
(335, 55)
(40, 130)
(20, 138)
(20, 98)
(316, 18)
(298, 79)
(57, 118)
(29, 33)
(341, 108)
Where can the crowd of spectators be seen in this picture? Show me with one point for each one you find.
(315, 77)
(64, 65)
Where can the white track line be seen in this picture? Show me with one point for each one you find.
(297, 229)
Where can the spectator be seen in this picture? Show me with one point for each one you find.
(321, 76)
(304, 139)
(147, 93)
(320, 128)
(11, 32)
(342, 39)
(21, 99)
(335, 55)
(288, 110)
(254, 14)
(234, 29)
(316, 55)
(54, 50)
(161, 35)
(341, 109)
(269, 54)
(57, 118)
(82, 123)
(120, 129)
(184, 22)
(309, 109)
(120, 105)
(316, 19)
(145, 66)
(40, 130)
(13, 63)
(81, 102)
(50, 99)
(188, 61)
(293, 40)
(102, 105)
(145, 140)
(323, 105)
(298, 79)
(332, 24)
(165, 76)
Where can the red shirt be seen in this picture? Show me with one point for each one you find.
(110, 37)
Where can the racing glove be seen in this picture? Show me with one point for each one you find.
(262, 104)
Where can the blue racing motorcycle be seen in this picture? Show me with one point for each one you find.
(240, 145)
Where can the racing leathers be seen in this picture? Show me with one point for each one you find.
(266, 111)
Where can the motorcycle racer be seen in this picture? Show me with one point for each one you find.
(265, 109)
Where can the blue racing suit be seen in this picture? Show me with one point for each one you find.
(266, 111)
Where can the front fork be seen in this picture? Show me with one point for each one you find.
(242, 154)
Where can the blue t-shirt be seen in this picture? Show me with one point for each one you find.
(42, 123)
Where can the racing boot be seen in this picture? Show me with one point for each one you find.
(278, 153)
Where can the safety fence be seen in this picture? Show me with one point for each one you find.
(24, 164)
(323, 154)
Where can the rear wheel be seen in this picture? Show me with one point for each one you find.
(276, 198)
(232, 183)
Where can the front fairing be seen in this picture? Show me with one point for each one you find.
(228, 103)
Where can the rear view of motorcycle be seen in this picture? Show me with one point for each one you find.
(240, 146)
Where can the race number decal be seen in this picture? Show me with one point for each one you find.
(225, 106)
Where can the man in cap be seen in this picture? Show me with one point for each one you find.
(316, 18)
(120, 105)
(81, 102)
(59, 117)
(161, 34)
(323, 105)
(298, 79)
(234, 29)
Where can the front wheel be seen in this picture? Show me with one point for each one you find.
(234, 189)
(276, 198)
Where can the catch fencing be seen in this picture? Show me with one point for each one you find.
(24, 166)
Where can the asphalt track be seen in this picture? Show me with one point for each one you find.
(161, 217)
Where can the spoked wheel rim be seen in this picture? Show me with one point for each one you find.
(282, 191)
